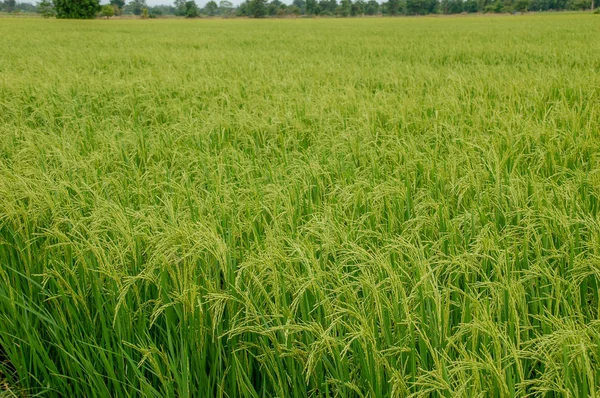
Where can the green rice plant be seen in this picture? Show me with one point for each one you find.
(350, 208)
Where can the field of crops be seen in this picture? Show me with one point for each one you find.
(345, 208)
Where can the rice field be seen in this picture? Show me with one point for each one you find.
(361, 207)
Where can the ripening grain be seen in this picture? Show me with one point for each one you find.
(327, 208)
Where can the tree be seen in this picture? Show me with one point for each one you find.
(191, 9)
(345, 8)
(301, 4)
(257, 8)
(118, 6)
(137, 6)
(311, 7)
(274, 7)
(76, 9)
(10, 5)
(393, 7)
(118, 3)
(107, 11)
(45, 9)
(242, 10)
(155, 12)
(521, 5)
(470, 6)
(211, 8)
(357, 8)
(328, 7)
(372, 7)
(225, 7)
(293, 10)
(180, 8)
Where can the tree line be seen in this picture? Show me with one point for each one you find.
(276, 8)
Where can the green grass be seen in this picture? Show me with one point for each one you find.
(345, 208)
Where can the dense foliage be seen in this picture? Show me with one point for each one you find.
(366, 207)
(76, 9)
(324, 8)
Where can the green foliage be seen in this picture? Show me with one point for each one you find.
(76, 9)
(191, 9)
(155, 12)
(225, 7)
(376, 207)
(357, 8)
(345, 8)
(372, 7)
(521, 5)
(137, 7)
(107, 11)
(180, 9)
(327, 7)
(9, 5)
(393, 7)
(312, 7)
(46, 9)
(211, 8)
(257, 8)
(119, 4)
(580, 4)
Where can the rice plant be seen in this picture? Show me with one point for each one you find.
(325, 208)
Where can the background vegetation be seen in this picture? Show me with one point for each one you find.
(85, 9)
(348, 208)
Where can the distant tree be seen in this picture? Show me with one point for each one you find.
(118, 5)
(275, 8)
(470, 6)
(578, 4)
(10, 5)
(107, 11)
(257, 8)
(25, 7)
(76, 9)
(521, 5)
(225, 7)
(344, 8)
(137, 6)
(155, 12)
(452, 6)
(293, 10)
(211, 9)
(311, 7)
(423, 7)
(357, 8)
(45, 9)
(145, 14)
(393, 7)
(180, 8)
(301, 4)
(191, 9)
(327, 7)
(242, 10)
(372, 7)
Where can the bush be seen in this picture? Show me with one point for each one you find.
(76, 9)
(191, 9)
(46, 9)
(107, 11)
